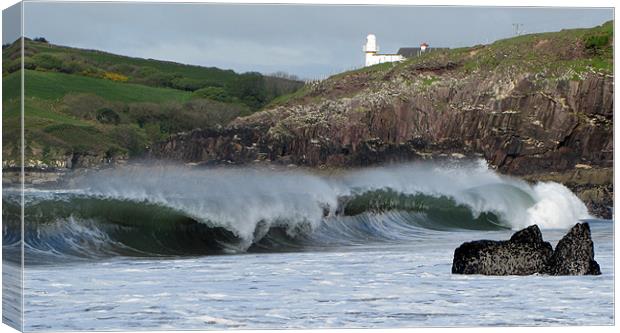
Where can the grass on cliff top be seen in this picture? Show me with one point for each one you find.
(383, 67)
(573, 49)
(567, 53)
(576, 49)
(284, 99)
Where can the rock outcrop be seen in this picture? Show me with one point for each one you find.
(526, 253)
(574, 254)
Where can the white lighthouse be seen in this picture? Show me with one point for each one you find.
(371, 50)
(371, 44)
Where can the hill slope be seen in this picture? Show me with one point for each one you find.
(251, 89)
(531, 105)
(86, 107)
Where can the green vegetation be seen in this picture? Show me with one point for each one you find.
(52, 86)
(553, 53)
(252, 89)
(374, 69)
(284, 99)
(567, 54)
(428, 81)
(101, 104)
(90, 123)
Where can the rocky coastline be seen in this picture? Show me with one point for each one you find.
(560, 131)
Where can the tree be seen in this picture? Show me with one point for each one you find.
(285, 75)
(249, 88)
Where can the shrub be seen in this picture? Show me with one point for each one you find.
(208, 113)
(114, 151)
(214, 93)
(153, 132)
(115, 76)
(152, 77)
(184, 83)
(82, 105)
(92, 107)
(597, 43)
(71, 67)
(127, 136)
(91, 71)
(108, 116)
(47, 61)
(144, 113)
(15, 65)
(122, 68)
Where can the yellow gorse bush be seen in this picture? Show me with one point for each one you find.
(115, 76)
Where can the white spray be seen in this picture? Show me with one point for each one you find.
(241, 198)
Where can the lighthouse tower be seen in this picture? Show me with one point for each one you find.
(371, 50)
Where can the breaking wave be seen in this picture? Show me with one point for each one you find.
(173, 210)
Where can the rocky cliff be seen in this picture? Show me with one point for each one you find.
(539, 106)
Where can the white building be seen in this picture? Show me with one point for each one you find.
(373, 57)
(371, 50)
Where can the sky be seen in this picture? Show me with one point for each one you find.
(310, 41)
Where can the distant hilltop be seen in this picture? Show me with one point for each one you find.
(373, 57)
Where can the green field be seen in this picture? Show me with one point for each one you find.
(214, 75)
(52, 86)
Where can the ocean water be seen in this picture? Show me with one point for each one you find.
(173, 248)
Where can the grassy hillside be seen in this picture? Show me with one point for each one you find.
(108, 106)
(52, 86)
(568, 54)
(251, 89)
(66, 114)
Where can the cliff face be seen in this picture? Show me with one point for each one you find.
(551, 115)
(517, 126)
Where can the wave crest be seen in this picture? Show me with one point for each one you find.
(171, 210)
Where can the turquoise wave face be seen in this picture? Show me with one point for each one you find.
(79, 225)
(433, 212)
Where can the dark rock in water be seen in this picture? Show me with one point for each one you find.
(574, 254)
(530, 234)
(526, 253)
